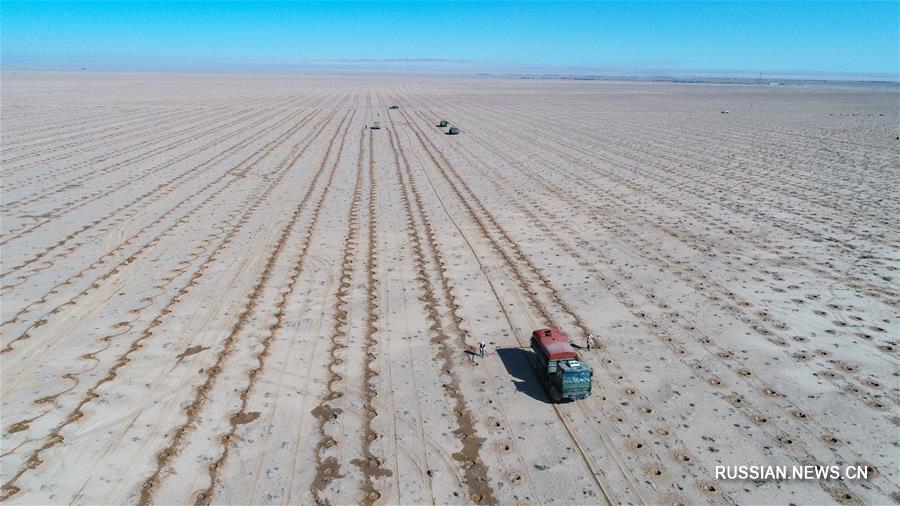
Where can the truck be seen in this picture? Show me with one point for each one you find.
(556, 363)
(443, 123)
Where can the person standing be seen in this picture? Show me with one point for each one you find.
(589, 342)
(481, 347)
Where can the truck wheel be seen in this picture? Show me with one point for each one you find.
(554, 394)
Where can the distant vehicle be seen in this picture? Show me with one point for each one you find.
(453, 131)
(376, 125)
(564, 377)
(443, 123)
(726, 111)
(393, 107)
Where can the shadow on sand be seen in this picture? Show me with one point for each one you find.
(518, 364)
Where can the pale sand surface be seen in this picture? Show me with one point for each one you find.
(222, 288)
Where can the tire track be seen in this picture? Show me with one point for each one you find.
(328, 468)
(71, 205)
(475, 470)
(709, 288)
(445, 168)
(99, 194)
(791, 412)
(45, 191)
(40, 127)
(658, 138)
(125, 120)
(670, 166)
(583, 453)
(49, 186)
(201, 394)
(205, 496)
(617, 372)
(110, 135)
(547, 321)
(511, 265)
(548, 231)
(249, 160)
(203, 123)
(159, 193)
(10, 488)
(420, 457)
(146, 302)
(38, 121)
(192, 133)
(237, 220)
(370, 465)
(723, 134)
(727, 229)
(234, 171)
(609, 365)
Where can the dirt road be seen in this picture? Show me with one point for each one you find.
(229, 289)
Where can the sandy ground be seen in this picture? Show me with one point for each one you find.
(223, 288)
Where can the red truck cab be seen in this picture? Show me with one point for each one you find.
(557, 366)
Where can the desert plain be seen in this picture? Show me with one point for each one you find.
(225, 288)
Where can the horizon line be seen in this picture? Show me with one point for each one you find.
(439, 66)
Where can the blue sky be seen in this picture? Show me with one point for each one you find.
(830, 37)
